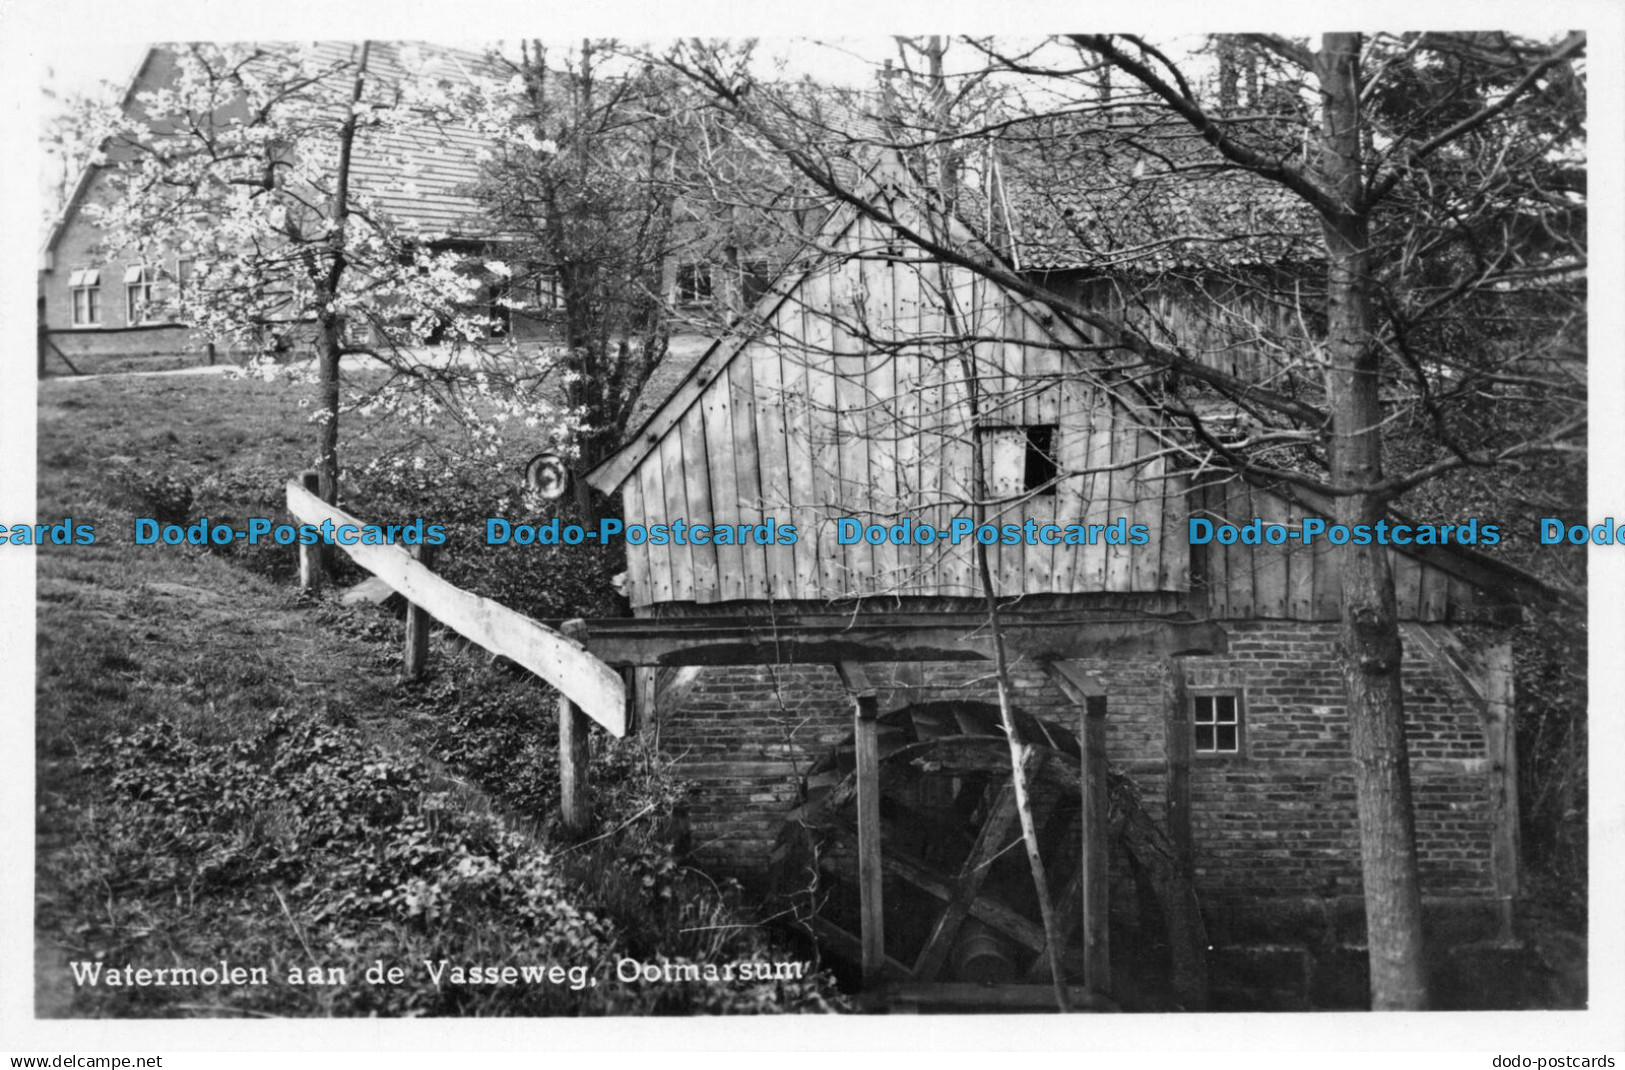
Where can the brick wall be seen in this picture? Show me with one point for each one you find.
(1276, 821)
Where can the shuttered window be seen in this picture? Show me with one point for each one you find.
(85, 294)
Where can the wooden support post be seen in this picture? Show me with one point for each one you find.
(866, 748)
(416, 656)
(629, 677)
(1187, 936)
(1177, 745)
(310, 556)
(575, 797)
(643, 699)
(1097, 969)
(1502, 745)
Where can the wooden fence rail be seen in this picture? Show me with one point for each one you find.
(595, 688)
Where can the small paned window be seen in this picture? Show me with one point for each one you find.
(549, 295)
(138, 307)
(85, 293)
(694, 284)
(1217, 723)
(357, 328)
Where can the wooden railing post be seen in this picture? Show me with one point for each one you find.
(310, 556)
(416, 655)
(1097, 968)
(866, 754)
(575, 790)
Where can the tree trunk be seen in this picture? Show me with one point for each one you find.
(329, 339)
(1369, 644)
(328, 344)
(1019, 752)
(330, 325)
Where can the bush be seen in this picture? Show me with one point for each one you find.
(304, 844)
(547, 582)
(164, 496)
(501, 733)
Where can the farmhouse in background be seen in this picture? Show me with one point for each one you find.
(870, 386)
(96, 301)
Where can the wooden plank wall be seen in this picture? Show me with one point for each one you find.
(1298, 583)
(855, 402)
(1223, 326)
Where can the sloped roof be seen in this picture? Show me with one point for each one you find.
(1154, 198)
(683, 351)
(421, 177)
(1060, 199)
(433, 193)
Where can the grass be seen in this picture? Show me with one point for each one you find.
(228, 769)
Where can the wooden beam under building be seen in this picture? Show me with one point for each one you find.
(891, 637)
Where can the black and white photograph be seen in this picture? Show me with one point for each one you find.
(628, 526)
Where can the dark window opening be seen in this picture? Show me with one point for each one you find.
(496, 297)
(1217, 721)
(1040, 462)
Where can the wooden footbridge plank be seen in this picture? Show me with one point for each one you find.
(586, 681)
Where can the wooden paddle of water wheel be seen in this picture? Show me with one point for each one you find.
(959, 914)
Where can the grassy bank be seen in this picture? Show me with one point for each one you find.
(228, 770)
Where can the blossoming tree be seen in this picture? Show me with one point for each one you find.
(277, 173)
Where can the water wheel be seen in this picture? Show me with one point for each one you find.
(959, 904)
